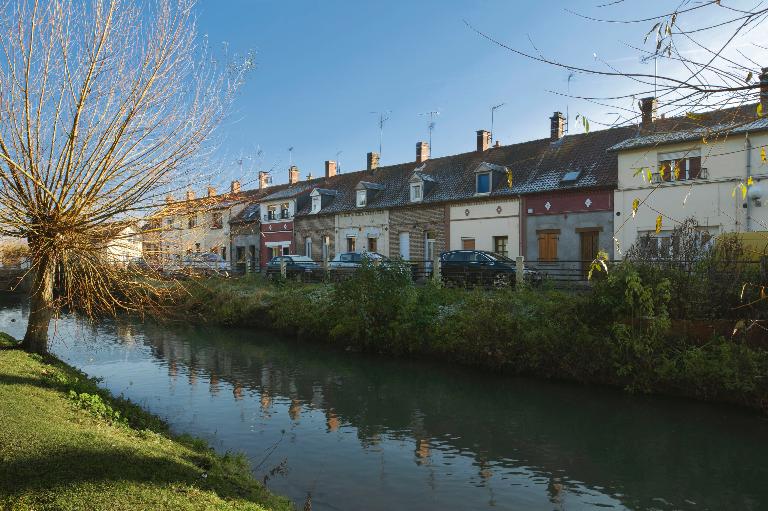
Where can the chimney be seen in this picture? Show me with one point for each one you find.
(556, 126)
(764, 90)
(263, 180)
(169, 198)
(373, 161)
(211, 191)
(422, 152)
(483, 140)
(234, 187)
(648, 107)
(190, 195)
(293, 175)
(330, 168)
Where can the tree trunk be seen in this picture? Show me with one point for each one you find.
(40, 307)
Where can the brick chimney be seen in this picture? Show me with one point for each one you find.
(169, 198)
(422, 152)
(234, 187)
(190, 195)
(263, 180)
(764, 90)
(483, 140)
(293, 175)
(211, 191)
(330, 168)
(648, 108)
(373, 161)
(556, 126)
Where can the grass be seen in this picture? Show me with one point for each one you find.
(66, 444)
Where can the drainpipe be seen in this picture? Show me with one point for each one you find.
(521, 229)
(748, 151)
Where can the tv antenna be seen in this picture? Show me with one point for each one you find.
(338, 161)
(431, 124)
(493, 111)
(383, 118)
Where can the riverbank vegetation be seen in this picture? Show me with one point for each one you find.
(66, 444)
(644, 327)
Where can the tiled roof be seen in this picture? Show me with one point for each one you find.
(293, 190)
(711, 125)
(251, 212)
(537, 166)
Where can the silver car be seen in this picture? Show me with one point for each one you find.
(354, 259)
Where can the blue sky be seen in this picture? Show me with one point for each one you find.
(323, 66)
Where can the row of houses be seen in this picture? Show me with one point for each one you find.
(556, 201)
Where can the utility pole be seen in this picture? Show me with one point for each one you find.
(493, 111)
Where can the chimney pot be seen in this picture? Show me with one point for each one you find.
(764, 90)
(234, 187)
(263, 180)
(422, 152)
(373, 161)
(556, 126)
(190, 195)
(648, 110)
(293, 175)
(211, 191)
(483, 140)
(330, 168)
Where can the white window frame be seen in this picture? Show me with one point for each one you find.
(308, 246)
(362, 198)
(477, 182)
(316, 203)
(417, 192)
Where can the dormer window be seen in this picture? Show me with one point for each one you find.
(316, 203)
(362, 196)
(483, 182)
(417, 192)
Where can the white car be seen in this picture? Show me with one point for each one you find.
(208, 263)
(354, 259)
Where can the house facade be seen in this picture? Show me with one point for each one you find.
(710, 168)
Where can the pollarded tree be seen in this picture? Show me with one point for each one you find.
(104, 105)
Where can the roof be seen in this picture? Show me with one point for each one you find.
(251, 212)
(293, 190)
(536, 166)
(717, 123)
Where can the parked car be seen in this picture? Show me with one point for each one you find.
(354, 259)
(294, 265)
(207, 263)
(472, 267)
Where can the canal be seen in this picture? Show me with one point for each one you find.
(359, 432)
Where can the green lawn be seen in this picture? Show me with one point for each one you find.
(63, 448)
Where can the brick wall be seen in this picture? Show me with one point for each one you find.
(316, 227)
(416, 221)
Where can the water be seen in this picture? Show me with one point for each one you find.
(368, 433)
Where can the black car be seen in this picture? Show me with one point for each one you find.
(294, 265)
(479, 267)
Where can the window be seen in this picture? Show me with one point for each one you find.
(192, 221)
(240, 251)
(351, 243)
(467, 243)
(272, 213)
(217, 221)
(678, 167)
(223, 253)
(416, 192)
(405, 245)
(372, 244)
(548, 245)
(284, 210)
(316, 204)
(286, 250)
(483, 182)
(500, 245)
(362, 195)
(308, 247)
(169, 222)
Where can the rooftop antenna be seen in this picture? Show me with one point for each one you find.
(338, 161)
(383, 118)
(431, 124)
(493, 111)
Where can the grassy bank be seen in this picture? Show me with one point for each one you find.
(66, 444)
(621, 333)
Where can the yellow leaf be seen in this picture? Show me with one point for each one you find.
(743, 191)
(677, 170)
(762, 155)
(704, 140)
(733, 192)
(639, 171)
(658, 224)
(750, 181)
(762, 293)
(509, 177)
(635, 205)
(650, 176)
(759, 109)
(662, 168)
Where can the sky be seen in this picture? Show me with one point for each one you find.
(323, 66)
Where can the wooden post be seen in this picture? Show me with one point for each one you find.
(435, 264)
(326, 264)
(519, 271)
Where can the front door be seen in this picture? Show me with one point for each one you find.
(589, 244)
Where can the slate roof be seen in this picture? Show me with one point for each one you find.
(251, 212)
(712, 125)
(293, 190)
(537, 166)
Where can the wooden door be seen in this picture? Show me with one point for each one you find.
(589, 244)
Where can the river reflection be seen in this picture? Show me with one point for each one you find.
(359, 432)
